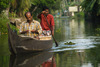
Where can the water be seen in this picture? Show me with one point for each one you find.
(84, 53)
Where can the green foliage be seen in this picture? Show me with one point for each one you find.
(20, 6)
(90, 5)
(58, 30)
(14, 28)
(97, 31)
(3, 23)
(13, 14)
(4, 45)
(87, 5)
(74, 3)
(69, 43)
(80, 14)
(4, 4)
(56, 5)
(4, 61)
(52, 4)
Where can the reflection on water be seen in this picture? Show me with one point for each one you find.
(70, 59)
(4, 50)
(4, 60)
(76, 31)
(42, 59)
(69, 29)
(79, 58)
(84, 53)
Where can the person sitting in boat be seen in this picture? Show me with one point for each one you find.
(47, 21)
(31, 28)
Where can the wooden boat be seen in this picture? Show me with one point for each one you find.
(18, 44)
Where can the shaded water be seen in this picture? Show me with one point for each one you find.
(84, 53)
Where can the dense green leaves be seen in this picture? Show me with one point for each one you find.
(3, 25)
(21, 6)
(4, 4)
(88, 5)
(91, 6)
(49, 3)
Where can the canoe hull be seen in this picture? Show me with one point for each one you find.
(18, 44)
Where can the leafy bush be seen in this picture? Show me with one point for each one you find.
(4, 4)
(80, 14)
(3, 25)
(69, 43)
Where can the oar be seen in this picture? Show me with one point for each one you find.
(51, 32)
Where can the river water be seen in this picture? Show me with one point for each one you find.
(83, 53)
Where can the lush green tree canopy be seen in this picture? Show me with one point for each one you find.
(21, 6)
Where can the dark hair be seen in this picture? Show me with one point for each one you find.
(28, 12)
(45, 7)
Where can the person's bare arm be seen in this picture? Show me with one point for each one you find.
(35, 31)
(23, 32)
(52, 30)
(39, 16)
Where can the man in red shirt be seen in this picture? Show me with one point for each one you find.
(44, 23)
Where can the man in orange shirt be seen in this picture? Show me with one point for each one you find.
(44, 23)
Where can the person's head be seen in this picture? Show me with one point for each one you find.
(28, 16)
(46, 9)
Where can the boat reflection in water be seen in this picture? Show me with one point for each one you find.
(42, 59)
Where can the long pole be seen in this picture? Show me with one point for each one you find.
(51, 32)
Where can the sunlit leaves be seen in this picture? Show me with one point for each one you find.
(20, 6)
(4, 4)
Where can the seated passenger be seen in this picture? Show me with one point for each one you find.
(31, 27)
